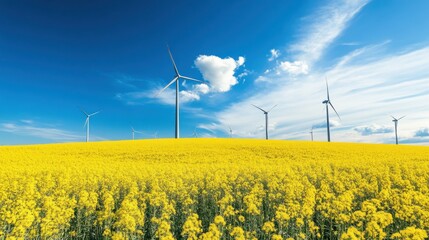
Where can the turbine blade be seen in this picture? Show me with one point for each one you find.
(327, 88)
(393, 118)
(334, 110)
(172, 81)
(259, 108)
(172, 60)
(92, 114)
(84, 112)
(192, 79)
(401, 118)
(272, 108)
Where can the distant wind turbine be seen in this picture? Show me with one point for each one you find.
(266, 118)
(134, 131)
(176, 80)
(395, 120)
(88, 116)
(195, 133)
(327, 103)
(311, 132)
(230, 132)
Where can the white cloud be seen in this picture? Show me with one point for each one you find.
(188, 96)
(274, 54)
(324, 27)
(27, 121)
(28, 128)
(168, 96)
(373, 129)
(219, 72)
(321, 30)
(332, 123)
(294, 68)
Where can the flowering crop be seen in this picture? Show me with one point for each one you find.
(214, 189)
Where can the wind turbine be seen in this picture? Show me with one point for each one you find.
(195, 134)
(176, 79)
(134, 131)
(327, 103)
(88, 116)
(395, 120)
(230, 132)
(266, 118)
(311, 132)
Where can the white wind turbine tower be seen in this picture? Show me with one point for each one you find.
(176, 80)
(134, 131)
(395, 120)
(266, 118)
(230, 132)
(88, 116)
(311, 132)
(327, 103)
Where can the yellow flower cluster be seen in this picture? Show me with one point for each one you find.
(214, 189)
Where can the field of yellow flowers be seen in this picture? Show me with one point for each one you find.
(214, 189)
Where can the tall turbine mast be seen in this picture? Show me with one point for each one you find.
(176, 79)
(88, 116)
(395, 121)
(266, 118)
(311, 132)
(328, 103)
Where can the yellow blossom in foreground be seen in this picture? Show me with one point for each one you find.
(214, 189)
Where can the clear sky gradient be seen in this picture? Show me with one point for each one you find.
(57, 57)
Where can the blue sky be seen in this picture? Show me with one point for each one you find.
(59, 56)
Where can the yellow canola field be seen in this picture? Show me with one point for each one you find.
(214, 189)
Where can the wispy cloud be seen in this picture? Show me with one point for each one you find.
(29, 128)
(324, 27)
(373, 129)
(320, 31)
(424, 132)
(332, 123)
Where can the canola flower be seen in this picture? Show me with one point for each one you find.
(214, 189)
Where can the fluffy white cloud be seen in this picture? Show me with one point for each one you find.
(274, 54)
(294, 68)
(219, 72)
